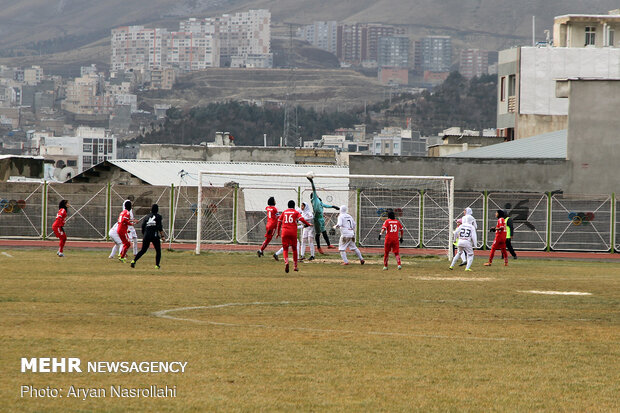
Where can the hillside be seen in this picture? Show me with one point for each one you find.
(335, 89)
(493, 24)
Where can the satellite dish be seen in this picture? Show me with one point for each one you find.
(66, 173)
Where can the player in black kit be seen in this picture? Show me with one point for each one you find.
(153, 232)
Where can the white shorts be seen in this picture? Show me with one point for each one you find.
(308, 232)
(465, 245)
(131, 232)
(114, 236)
(346, 242)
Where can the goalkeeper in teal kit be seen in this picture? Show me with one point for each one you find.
(319, 220)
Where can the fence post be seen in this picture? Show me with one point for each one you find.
(235, 216)
(549, 215)
(421, 218)
(485, 224)
(108, 212)
(171, 225)
(44, 210)
(358, 215)
(613, 222)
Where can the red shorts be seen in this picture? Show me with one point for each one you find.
(289, 240)
(270, 230)
(499, 244)
(392, 245)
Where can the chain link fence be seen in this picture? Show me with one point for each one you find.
(541, 221)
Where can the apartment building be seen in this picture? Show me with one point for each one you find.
(584, 46)
(138, 47)
(433, 54)
(473, 63)
(359, 43)
(245, 39)
(86, 95)
(394, 141)
(322, 34)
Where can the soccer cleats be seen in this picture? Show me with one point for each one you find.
(157, 267)
(60, 254)
(133, 264)
(275, 256)
(451, 267)
(487, 264)
(384, 268)
(321, 251)
(362, 262)
(463, 263)
(286, 268)
(311, 258)
(468, 269)
(259, 253)
(122, 259)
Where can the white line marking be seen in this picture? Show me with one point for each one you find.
(166, 314)
(6, 254)
(451, 278)
(555, 292)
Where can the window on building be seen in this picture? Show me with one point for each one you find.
(71, 162)
(87, 147)
(512, 85)
(610, 38)
(502, 89)
(590, 35)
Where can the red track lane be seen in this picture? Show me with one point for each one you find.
(52, 244)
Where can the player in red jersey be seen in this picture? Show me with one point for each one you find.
(271, 226)
(124, 221)
(59, 224)
(287, 228)
(392, 227)
(500, 238)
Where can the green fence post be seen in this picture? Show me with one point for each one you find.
(108, 212)
(358, 216)
(236, 216)
(171, 225)
(421, 245)
(613, 222)
(485, 224)
(549, 215)
(44, 210)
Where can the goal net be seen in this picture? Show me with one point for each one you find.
(231, 205)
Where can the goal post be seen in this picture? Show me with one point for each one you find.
(231, 205)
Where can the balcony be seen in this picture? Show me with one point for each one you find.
(512, 104)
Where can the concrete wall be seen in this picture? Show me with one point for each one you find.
(270, 154)
(532, 125)
(593, 140)
(525, 175)
(17, 166)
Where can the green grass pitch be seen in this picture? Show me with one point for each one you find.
(328, 338)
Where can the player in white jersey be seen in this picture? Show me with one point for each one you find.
(468, 212)
(466, 233)
(307, 236)
(346, 223)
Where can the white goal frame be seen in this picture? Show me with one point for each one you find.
(448, 180)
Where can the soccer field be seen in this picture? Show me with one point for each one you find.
(328, 338)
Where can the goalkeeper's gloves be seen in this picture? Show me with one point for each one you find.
(336, 208)
(379, 237)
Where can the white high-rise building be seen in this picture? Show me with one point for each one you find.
(137, 47)
(321, 34)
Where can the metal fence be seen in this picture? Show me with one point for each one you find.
(542, 221)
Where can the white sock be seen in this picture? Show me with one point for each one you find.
(455, 259)
(280, 251)
(114, 251)
(302, 251)
(135, 246)
(311, 247)
(343, 254)
(358, 253)
(470, 259)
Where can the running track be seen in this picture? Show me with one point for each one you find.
(52, 244)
